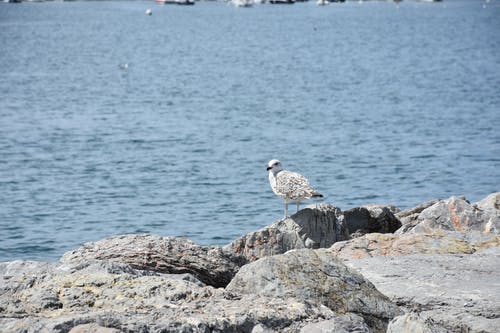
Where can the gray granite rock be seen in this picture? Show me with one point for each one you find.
(441, 267)
(314, 227)
(491, 202)
(176, 255)
(443, 292)
(110, 296)
(453, 214)
(347, 323)
(409, 217)
(413, 322)
(315, 276)
(371, 218)
(443, 242)
(93, 328)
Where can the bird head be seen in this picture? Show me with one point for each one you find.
(274, 166)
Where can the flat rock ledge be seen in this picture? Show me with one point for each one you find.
(432, 268)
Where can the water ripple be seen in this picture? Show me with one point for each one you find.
(374, 103)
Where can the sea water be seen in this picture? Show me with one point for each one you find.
(113, 121)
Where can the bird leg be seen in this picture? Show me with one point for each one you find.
(286, 209)
(298, 206)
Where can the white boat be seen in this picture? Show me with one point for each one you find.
(242, 3)
(322, 2)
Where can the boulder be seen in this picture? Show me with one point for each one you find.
(173, 255)
(371, 218)
(456, 214)
(491, 202)
(316, 226)
(315, 277)
(409, 217)
(38, 289)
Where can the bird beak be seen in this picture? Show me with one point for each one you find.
(269, 168)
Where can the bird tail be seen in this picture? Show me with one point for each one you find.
(317, 195)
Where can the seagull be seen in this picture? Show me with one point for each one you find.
(290, 186)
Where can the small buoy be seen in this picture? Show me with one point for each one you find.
(149, 11)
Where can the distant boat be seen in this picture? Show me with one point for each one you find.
(175, 2)
(282, 2)
(243, 3)
(167, 2)
(185, 2)
(322, 2)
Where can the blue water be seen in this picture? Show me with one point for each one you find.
(112, 121)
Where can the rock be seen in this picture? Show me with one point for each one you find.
(315, 226)
(107, 295)
(491, 202)
(413, 322)
(409, 217)
(174, 255)
(372, 245)
(262, 329)
(317, 277)
(91, 284)
(116, 297)
(342, 324)
(441, 292)
(92, 328)
(441, 267)
(455, 214)
(371, 218)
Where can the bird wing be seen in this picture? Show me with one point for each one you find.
(293, 186)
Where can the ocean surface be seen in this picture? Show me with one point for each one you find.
(114, 122)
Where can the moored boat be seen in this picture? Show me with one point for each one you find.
(242, 3)
(175, 2)
(185, 2)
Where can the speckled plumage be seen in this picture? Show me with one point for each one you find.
(291, 186)
(288, 185)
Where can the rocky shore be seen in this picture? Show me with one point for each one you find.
(433, 268)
